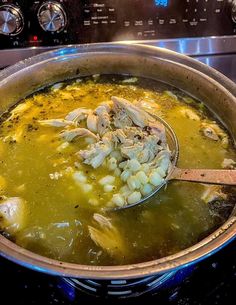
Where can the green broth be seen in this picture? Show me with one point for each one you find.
(58, 214)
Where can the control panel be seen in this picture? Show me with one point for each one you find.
(47, 23)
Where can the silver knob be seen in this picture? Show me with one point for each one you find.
(233, 12)
(11, 20)
(52, 17)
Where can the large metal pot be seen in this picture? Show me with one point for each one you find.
(198, 80)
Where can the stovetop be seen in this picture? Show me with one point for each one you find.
(212, 282)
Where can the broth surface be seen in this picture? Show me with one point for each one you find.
(57, 213)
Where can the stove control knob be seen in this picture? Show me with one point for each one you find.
(11, 20)
(234, 11)
(52, 17)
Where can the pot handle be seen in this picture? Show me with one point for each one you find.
(208, 176)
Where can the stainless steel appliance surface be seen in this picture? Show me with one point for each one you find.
(215, 276)
(28, 27)
(26, 23)
(204, 29)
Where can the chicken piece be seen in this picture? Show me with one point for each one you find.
(158, 129)
(15, 137)
(162, 159)
(132, 151)
(151, 143)
(148, 105)
(92, 122)
(121, 119)
(189, 114)
(143, 150)
(130, 80)
(78, 115)
(210, 133)
(136, 134)
(69, 135)
(214, 132)
(228, 163)
(134, 143)
(96, 153)
(108, 105)
(103, 119)
(12, 214)
(127, 136)
(106, 236)
(56, 123)
(213, 193)
(127, 114)
(19, 110)
(139, 152)
(118, 136)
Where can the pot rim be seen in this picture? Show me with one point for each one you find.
(195, 253)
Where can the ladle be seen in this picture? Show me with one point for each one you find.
(206, 176)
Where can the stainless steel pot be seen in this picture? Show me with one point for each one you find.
(206, 84)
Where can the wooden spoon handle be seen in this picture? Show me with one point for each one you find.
(208, 176)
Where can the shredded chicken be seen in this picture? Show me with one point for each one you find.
(56, 123)
(134, 142)
(125, 112)
(122, 127)
(69, 135)
(106, 236)
(96, 153)
(103, 119)
(212, 193)
(215, 133)
(92, 122)
(228, 163)
(12, 214)
(77, 115)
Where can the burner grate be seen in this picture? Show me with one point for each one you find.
(119, 288)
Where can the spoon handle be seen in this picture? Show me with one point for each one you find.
(208, 176)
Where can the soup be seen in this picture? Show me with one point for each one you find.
(57, 200)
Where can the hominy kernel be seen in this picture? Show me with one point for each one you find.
(165, 162)
(79, 176)
(117, 172)
(118, 200)
(93, 201)
(116, 154)
(142, 177)
(112, 164)
(122, 164)
(146, 189)
(86, 187)
(155, 179)
(145, 168)
(134, 197)
(125, 175)
(133, 165)
(160, 171)
(125, 190)
(108, 188)
(131, 181)
(107, 180)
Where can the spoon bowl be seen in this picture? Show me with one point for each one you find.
(207, 176)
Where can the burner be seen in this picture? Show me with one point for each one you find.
(211, 281)
(124, 288)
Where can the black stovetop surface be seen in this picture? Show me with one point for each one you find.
(212, 282)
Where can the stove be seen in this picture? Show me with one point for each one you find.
(212, 281)
(202, 29)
